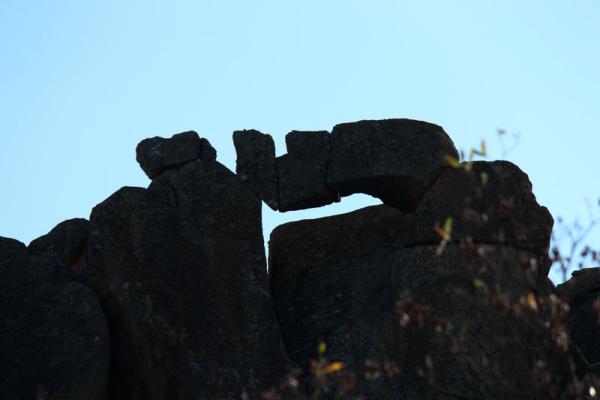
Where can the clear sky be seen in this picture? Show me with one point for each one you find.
(82, 82)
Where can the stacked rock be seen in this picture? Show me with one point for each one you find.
(437, 293)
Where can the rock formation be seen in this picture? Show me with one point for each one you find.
(393, 159)
(582, 294)
(54, 340)
(439, 293)
(181, 273)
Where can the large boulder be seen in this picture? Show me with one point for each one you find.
(303, 171)
(394, 159)
(582, 294)
(444, 318)
(256, 164)
(488, 202)
(473, 324)
(158, 154)
(180, 270)
(65, 243)
(54, 340)
(328, 279)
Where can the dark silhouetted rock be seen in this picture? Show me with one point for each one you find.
(256, 164)
(582, 293)
(158, 154)
(493, 204)
(181, 272)
(475, 325)
(330, 282)
(10, 248)
(66, 243)
(303, 171)
(54, 340)
(342, 280)
(394, 160)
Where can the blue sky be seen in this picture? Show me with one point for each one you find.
(82, 82)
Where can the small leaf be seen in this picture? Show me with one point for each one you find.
(428, 362)
(448, 228)
(485, 177)
(483, 149)
(333, 367)
(532, 302)
(453, 162)
(479, 284)
(322, 348)
(329, 368)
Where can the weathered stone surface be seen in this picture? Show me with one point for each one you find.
(483, 332)
(340, 280)
(54, 341)
(582, 293)
(394, 160)
(10, 248)
(330, 282)
(303, 171)
(180, 270)
(66, 243)
(157, 154)
(492, 203)
(256, 164)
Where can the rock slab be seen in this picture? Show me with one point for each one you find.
(355, 293)
(180, 270)
(303, 171)
(256, 164)
(54, 338)
(488, 202)
(65, 243)
(156, 155)
(394, 160)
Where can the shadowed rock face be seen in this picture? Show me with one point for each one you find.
(156, 155)
(65, 243)
(394, 160)
(303, 171)
(328, 278)
(492, 203)
(54, 341)
(349, 293)
(180, 270)
(582, 293)
(256, 164)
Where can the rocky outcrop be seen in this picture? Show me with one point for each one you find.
(351, 293)
(256, 164)
(157, 154)
(303, 171)
(582, 294)
(65, 243)
(54, 341)
(394, 160)
(439, 293)
(334, 291)
(180, 270)
(488, 202)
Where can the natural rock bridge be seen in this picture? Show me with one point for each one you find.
(440, 292)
